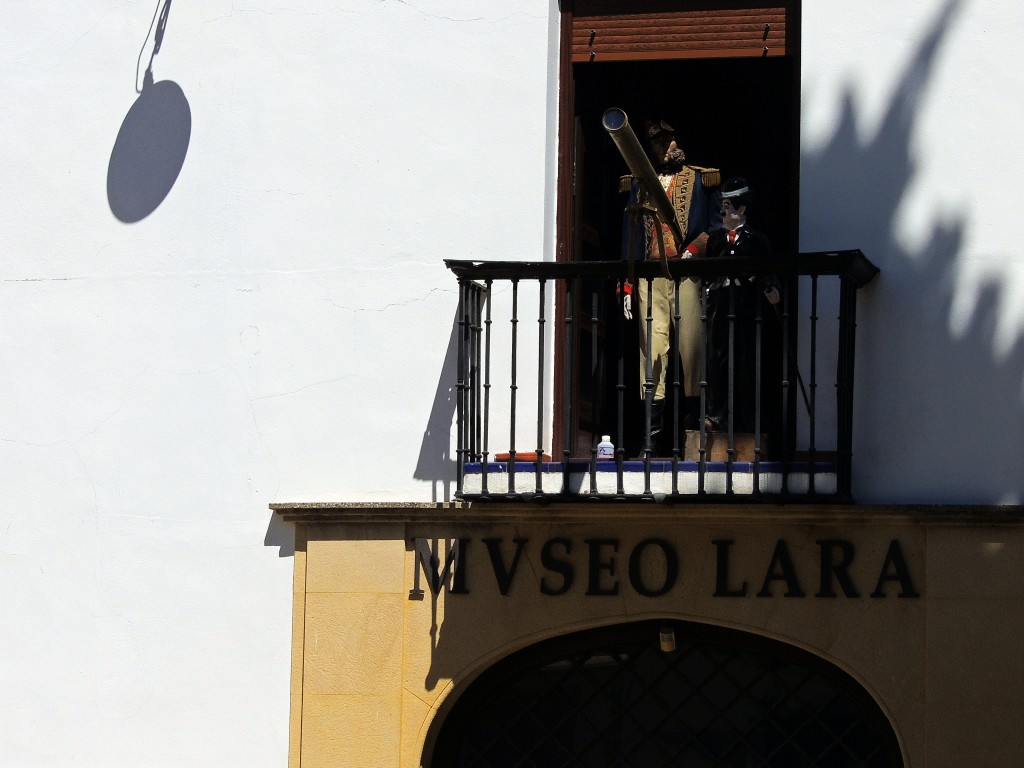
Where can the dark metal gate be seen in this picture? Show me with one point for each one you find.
(614, 697)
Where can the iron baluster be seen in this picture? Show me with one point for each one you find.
(512, 391)
(844, 385)
(788, 364)
(702, 453)
(678, 318)
(460, 388)
(487, 387)
(620, 389)
(474, 371)
(648, 386)
(812, 447)
(758, 341)
(567, 408)
(595, 402)
(539, 485)
(730, 443)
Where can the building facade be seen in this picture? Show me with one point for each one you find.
(246, 521)
(635, 634)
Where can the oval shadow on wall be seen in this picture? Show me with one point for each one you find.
(149, 151)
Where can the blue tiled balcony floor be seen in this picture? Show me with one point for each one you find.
(602, 478)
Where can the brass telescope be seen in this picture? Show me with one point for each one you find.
(616, 123)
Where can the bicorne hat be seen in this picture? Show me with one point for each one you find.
(654, 127)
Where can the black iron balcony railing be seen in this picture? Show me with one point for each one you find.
(578, 378)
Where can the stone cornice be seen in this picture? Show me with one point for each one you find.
(494, 512)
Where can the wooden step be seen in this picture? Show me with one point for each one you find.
(716, 445)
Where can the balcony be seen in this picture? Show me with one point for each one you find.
(548, 364)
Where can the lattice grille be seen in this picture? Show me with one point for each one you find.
(626, 703)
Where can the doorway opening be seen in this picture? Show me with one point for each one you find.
(737, 115)
(620, 696)
(734, 104)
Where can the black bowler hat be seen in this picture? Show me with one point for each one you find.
(735, 187)
(654, 127)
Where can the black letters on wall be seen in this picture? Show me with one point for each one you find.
(504, 574)
(781, 569)
(671, 567)
(895, 569)
(550, 563)
(597, 566)
(836, 557)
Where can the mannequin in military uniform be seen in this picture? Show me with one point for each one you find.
(693, 191)
(739, 298)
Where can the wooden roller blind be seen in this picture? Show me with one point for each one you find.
(620, 30)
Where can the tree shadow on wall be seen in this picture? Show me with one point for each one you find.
(937, 416)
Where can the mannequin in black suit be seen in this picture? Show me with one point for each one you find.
(746, 298)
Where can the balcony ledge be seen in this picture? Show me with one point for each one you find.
(464, 512)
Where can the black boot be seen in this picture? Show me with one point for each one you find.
(691, 413)
(657, 426)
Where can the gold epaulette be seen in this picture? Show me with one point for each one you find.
(710, 177)
(625, 183)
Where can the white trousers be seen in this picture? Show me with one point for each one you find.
(662, 302)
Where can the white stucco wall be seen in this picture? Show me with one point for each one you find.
(275, 329)
(278, 327)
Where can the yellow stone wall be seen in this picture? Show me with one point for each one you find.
(372, 666)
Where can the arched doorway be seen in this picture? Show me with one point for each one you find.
(613, 697)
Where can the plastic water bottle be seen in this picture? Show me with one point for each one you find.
(605, 449)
